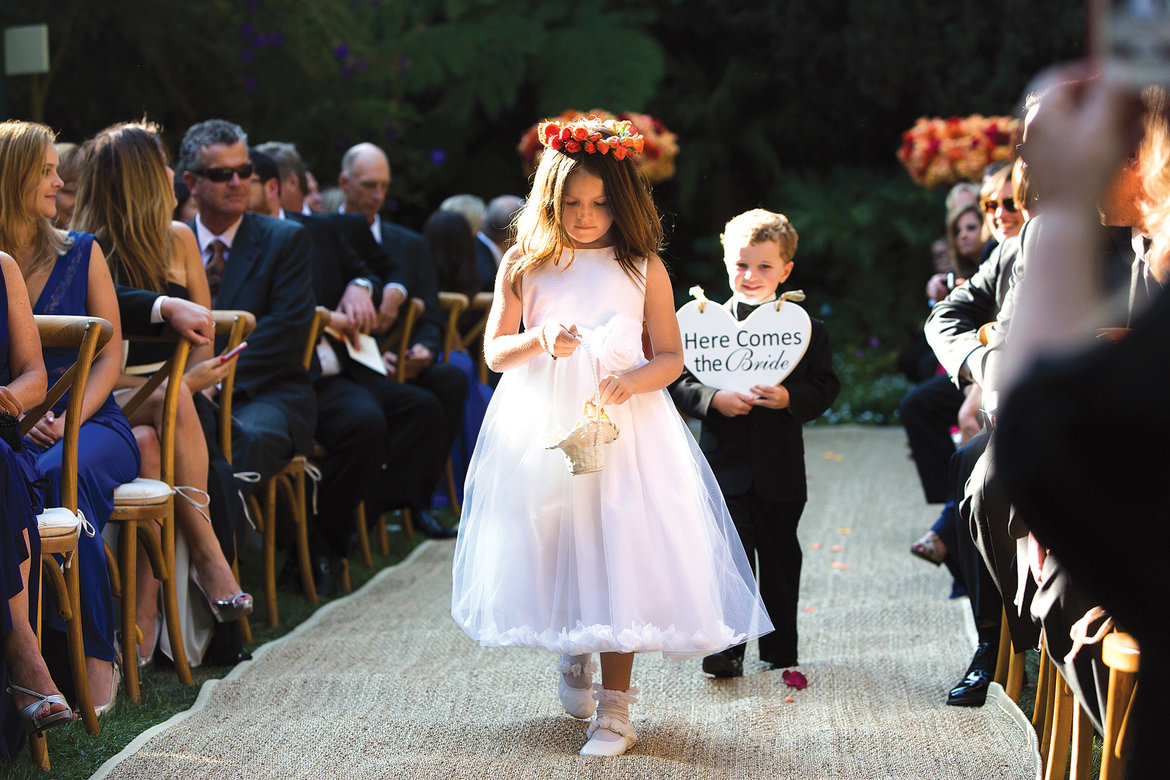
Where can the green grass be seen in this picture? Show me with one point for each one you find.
(75, 754)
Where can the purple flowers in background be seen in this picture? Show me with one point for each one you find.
(341, 52)
(250, 83)
(438, 156)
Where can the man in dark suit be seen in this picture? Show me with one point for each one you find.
(365, 179)
(495, 237)
(261, 265)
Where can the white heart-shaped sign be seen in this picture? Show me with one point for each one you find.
(730, 355)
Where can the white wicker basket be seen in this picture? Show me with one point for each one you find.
(584, 446)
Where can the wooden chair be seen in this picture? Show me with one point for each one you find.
(454, 304)
(1123, 657)
(138, 505)
(290, 483)
(398, 342)
(60, 527)
(481, 303)
(237, 325)
(1009, 665)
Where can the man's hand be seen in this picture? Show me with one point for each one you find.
(357, 304)
(344, 324)
(731, 404)
(190, 320)
(418, 359)
(392, 298)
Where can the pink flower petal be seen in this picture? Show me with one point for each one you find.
(839, 565)
(816, 546)
(789, 699)
(836, 548)
(795, 679)
(811, 609)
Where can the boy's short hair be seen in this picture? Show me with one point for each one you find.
(760, 225)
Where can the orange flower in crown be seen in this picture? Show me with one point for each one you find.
(642, 136)
(618, 137)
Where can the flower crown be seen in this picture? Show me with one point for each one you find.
(578, 136)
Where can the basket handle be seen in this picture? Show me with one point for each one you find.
(596, 378)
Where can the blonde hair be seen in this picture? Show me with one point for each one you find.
(124, 199)
(470, 207)
(1154, 158)
(541, 232)
(22, 162)
(756, 227)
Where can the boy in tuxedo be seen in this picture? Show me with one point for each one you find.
(753, 441)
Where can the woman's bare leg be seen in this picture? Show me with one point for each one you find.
(26, 665)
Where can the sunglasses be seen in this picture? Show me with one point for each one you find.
(1009, 205)
(222, 175)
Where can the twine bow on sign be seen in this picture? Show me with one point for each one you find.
(697, 293)
(791, 295)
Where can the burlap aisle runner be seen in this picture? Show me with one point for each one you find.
(384, 685)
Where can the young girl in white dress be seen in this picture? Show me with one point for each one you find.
(642, 555)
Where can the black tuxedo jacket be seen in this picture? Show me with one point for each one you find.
(134, 308)
(764, 448)
(334, 261)
(267, 273)
(407, 259)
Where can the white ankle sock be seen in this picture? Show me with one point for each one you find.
(577, 670)
(612, 723)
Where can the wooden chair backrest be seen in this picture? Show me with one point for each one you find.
(398, 339)
(172, 372)
(482, 303)
(320, 320)
(454, 304)
(236, 325)
(87, 335)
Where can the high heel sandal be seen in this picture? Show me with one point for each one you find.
(115, 678)
(35, 718)
(227, 610)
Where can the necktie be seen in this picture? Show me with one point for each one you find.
(215, 267)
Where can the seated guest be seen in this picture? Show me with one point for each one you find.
(67, 274)
(258, 264)
(365, 179)
(122, 198)
(1110, 537)
(363, 418)
(451, 247)
(29, 699)
(496, 236)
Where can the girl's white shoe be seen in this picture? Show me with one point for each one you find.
(573, 685)
(610, 734)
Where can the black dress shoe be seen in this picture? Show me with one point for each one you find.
(972, 689)
(723, 665)
(426, 524)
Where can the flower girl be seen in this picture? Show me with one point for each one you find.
(630, 549)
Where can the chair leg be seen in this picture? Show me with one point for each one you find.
(383, 537)
(1042, 682)
(363, 535)
(407, 526)
(1015, 679)
(77, 648)
(1081, 761)
(345, 583)
(245, 626)
(1058, 742)
(171, 602)
(451, 493)
(1003, 660)
(1113, 758)
(269, 515)
(128, 566)
(294, 493)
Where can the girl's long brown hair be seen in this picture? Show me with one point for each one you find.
(637, 229)
(125, 199)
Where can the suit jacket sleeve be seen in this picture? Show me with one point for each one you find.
(692, 397)
(811, 391)
(952, 329)
(134, 307)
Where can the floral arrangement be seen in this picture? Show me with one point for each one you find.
(941, 152)
(659, 145)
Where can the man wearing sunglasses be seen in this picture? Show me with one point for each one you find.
(258, 264)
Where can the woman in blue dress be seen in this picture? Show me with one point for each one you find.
(29, 700)
(66, 273)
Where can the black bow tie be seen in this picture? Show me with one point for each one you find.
(742, 310)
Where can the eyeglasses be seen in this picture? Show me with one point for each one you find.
(221, 175)
(991, 206)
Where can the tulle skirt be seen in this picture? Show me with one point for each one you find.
(641, 556)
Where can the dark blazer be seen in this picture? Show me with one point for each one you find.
(764, 447)
(334, 262)
(408, 259)
(355, 231)
(268, 274)
(485, 265)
